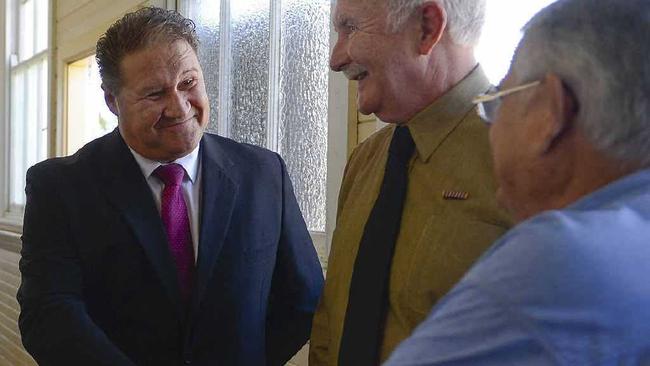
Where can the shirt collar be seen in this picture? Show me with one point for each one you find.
(189, 162)
(430, 126)
(628, 186)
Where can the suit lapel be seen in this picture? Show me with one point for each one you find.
(219, 193)
(128, 190)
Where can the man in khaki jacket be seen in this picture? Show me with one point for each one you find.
(417, 204)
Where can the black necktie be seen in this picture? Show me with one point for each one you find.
(368, 299)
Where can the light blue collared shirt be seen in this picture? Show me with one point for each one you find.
(566, 287)
(191, 187)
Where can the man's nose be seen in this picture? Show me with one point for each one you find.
(178, 105)
(340, 57)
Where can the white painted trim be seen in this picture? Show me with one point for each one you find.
(275, 50)
(337, 140)
(225, 67)
(319, 239)
(36, 58)
(51, 85)
(12, 216)
(4, 107)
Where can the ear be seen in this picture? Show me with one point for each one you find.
(111, 101)
(557, 107)
(433, 23)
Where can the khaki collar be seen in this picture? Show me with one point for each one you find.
(433, 124)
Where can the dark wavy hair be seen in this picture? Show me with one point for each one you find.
(136, 31)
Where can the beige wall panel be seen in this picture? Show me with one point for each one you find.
(78, 31)
(366, 118)
(65, 7)
(366, 129)
(11, 350)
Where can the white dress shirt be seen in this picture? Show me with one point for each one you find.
(191, 187)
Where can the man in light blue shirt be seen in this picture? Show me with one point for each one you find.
(570, 284)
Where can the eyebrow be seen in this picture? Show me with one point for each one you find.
(151, 89)
(194, 69)
(157, 86)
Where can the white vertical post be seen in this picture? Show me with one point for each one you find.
(337, 140)
(275, 51)
(5, 52)
(225, 61)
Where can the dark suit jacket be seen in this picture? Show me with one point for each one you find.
(98, 283)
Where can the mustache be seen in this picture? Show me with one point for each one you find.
(353, 70)
(168, 122)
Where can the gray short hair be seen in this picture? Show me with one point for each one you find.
(136, 31)
(601, 51)
(465, 18)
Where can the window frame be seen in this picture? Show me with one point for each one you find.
(79, 42)
(5, 222)
(337, 120)
(11, 218)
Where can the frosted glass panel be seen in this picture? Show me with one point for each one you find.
(301, 50)
(250, 70)
(206, 14)
(42, 24)
(303, 103)
(26, 30)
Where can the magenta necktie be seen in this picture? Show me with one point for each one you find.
(177, 224)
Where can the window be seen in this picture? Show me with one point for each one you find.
(87, 115)
(266, 68)
(502, 33)
(26, 133)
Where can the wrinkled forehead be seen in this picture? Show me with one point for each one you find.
(356, 10)
(159, 62)
(172, 54)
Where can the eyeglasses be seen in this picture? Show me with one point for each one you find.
(488, 104)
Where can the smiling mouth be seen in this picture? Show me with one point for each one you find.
(164, 125)
(355, 72)
(357, 76)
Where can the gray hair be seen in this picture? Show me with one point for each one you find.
(601, 52)
(465, 18)
(136, 31)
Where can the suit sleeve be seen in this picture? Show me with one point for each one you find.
(54, 324)
(296, 285)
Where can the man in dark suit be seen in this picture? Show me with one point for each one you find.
(158, 244)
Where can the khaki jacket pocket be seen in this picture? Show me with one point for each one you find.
(446, 250)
